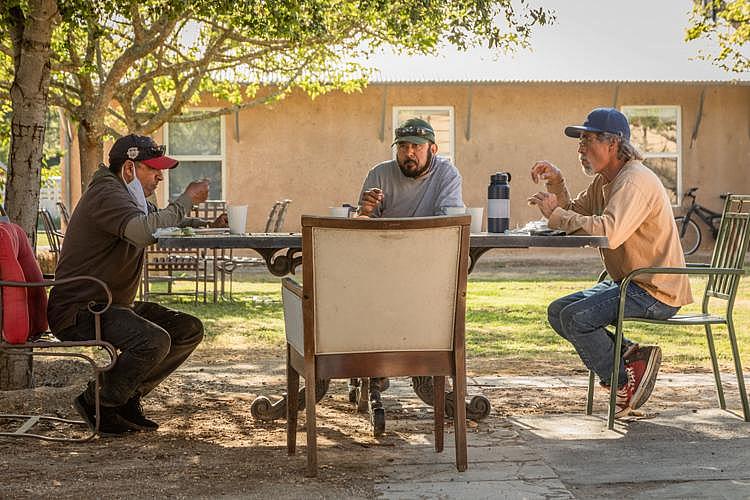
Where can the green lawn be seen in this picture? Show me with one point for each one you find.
(504, 319)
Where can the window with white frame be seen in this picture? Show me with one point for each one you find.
(656, 131)
(441, 119)
(199, 146)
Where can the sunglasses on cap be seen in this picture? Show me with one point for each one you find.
(411, 130)
(148, 152)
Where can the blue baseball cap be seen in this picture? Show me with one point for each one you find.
(602, 120)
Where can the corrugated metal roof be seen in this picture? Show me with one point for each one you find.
(377, 79)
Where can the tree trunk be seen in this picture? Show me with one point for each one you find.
(91, 151)
(31, 37)
(15, 372)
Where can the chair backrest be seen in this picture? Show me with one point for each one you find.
(209, 209)
(64, 214)
(731, 246)
(280, 217)
(271, 220)
(54, 236)
(379, 285)
(22, 312)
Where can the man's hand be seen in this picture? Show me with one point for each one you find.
(198, 191)
(547, 202)
(544, 170)
(371, 199)
(220, 221)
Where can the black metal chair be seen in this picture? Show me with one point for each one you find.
(18, 326)
(64, 214)
(54, 237)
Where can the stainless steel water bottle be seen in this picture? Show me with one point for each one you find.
(498, 203)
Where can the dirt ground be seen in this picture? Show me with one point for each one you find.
(209, 445)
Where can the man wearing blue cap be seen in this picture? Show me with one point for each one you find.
(627, 203)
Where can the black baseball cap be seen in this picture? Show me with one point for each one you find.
(143, 149)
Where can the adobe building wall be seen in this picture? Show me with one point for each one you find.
(317, 152)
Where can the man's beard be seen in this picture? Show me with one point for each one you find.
(416, 173)
(587, 168)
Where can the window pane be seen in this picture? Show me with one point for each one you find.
(440, 119)
(653, 129)
(666, 169)
(188, 171)
(199, 138)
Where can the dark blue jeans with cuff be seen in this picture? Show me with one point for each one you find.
(153, 341)
(581, 318)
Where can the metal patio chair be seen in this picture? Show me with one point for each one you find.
(723, 274)
(23, 316)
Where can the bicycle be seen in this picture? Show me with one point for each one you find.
(690, 233)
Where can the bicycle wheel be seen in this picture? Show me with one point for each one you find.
(690, 235)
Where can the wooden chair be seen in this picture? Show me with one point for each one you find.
(723, 275)
(407, 320)
(23, 306)
(231, 262)
(173, 265)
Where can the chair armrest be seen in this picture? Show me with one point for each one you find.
(292, 297)
(697, 265)
(293, 287)
(683, 270)
(47, 283)
(671, 270)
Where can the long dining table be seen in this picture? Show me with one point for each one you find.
(282, 254)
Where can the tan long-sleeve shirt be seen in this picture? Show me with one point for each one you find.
(634, 213)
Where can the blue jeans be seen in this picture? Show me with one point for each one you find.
(580, 319)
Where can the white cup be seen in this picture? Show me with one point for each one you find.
(476, 218)
(339, 211)
(455, 211)
(237, 215)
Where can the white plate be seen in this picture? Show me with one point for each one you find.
(211, 230)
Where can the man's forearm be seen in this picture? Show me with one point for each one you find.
(140, 230)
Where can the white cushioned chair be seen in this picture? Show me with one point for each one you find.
(381, 297)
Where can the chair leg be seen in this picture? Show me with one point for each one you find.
(715, 367)
(292, 388)
(613, 382)
(590, 395)
(459, 418)
(438, 388)
(738, 369)
(312, 448)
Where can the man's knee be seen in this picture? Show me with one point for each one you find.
(190, 331)
(553, 315)
(156, 345)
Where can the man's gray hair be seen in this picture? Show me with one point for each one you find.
(625, 150)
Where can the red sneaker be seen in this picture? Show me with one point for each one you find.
(625, 395)
(644, 363)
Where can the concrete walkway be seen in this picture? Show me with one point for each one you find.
(675, 454)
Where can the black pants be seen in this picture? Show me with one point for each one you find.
(153, 341)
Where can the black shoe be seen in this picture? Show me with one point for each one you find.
(380, 384)
(110, 423)
(132, 411)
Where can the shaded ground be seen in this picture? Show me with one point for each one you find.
(210, 446)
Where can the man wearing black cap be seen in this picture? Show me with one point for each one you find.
(106, 237)
(627, 203)
(417, 183)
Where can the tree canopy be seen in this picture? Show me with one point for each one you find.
(132, 66)
(727, 23)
